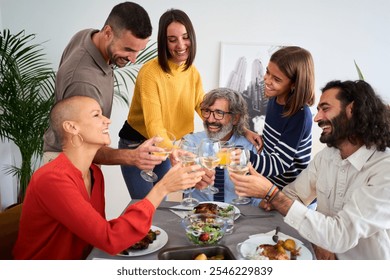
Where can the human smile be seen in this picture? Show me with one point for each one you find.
(180, 52)
(325, 127)
(268, 90)
(214, 127)
(121, 61)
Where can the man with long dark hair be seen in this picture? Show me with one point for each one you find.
(350, 178)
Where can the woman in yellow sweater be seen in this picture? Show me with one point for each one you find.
(167, 92)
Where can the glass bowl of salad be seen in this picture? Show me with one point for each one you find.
(204, 229)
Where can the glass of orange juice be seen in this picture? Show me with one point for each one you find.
(224, 153)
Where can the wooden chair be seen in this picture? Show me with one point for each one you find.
(9, 227)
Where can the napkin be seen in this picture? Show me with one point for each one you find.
(280, 234)
(182, 214)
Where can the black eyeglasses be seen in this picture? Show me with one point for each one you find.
(217, 114)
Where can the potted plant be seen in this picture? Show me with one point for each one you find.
(26, 97)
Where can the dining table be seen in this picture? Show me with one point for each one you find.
(251, 221)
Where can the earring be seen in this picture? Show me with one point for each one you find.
(81, 140)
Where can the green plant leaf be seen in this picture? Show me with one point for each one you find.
(360, 74)
(26, 98)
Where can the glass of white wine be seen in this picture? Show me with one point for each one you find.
(208, 157)
(188, 155)
(239, 165)
(167, 144)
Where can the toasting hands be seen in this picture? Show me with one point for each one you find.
(251, 185)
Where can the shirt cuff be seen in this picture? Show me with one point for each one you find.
(296, 214)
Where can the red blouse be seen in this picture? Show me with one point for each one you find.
(61, 221)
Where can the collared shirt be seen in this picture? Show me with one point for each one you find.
(353, 195)
(83, 71)
(236, 139)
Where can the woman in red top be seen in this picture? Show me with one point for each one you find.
(63, 213)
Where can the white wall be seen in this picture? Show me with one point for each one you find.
(336, 32)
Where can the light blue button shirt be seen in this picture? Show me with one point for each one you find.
(229, 187)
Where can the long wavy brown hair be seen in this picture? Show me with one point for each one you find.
(370, 122)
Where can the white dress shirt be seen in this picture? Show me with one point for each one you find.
(353, 196)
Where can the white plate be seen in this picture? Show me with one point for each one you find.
(224, 205)
(248, 247)
(157, 244)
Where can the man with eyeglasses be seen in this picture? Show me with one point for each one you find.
(225, 118)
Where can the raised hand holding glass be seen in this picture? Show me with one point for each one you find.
(188, 155)
(239, 165)
(167, 145)
(208, 150)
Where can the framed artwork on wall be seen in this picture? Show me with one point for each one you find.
(242, 68)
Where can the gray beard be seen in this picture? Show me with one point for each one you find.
(225, 130)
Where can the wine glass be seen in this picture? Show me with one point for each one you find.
(224, 153)
(239, 165)
(167, 144)
(188, 155)
(208, 150)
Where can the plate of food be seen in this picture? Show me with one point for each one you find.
(262, 247)
(217, 208)
(153, 241)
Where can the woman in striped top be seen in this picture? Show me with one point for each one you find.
(289, 85)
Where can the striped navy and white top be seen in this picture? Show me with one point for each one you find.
(287, 144)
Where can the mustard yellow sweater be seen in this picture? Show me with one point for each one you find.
(165, 101)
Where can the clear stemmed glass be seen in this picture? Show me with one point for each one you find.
(167, 144)
(188, 155)
(239, 165)
(208, 151)
(224, 153)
